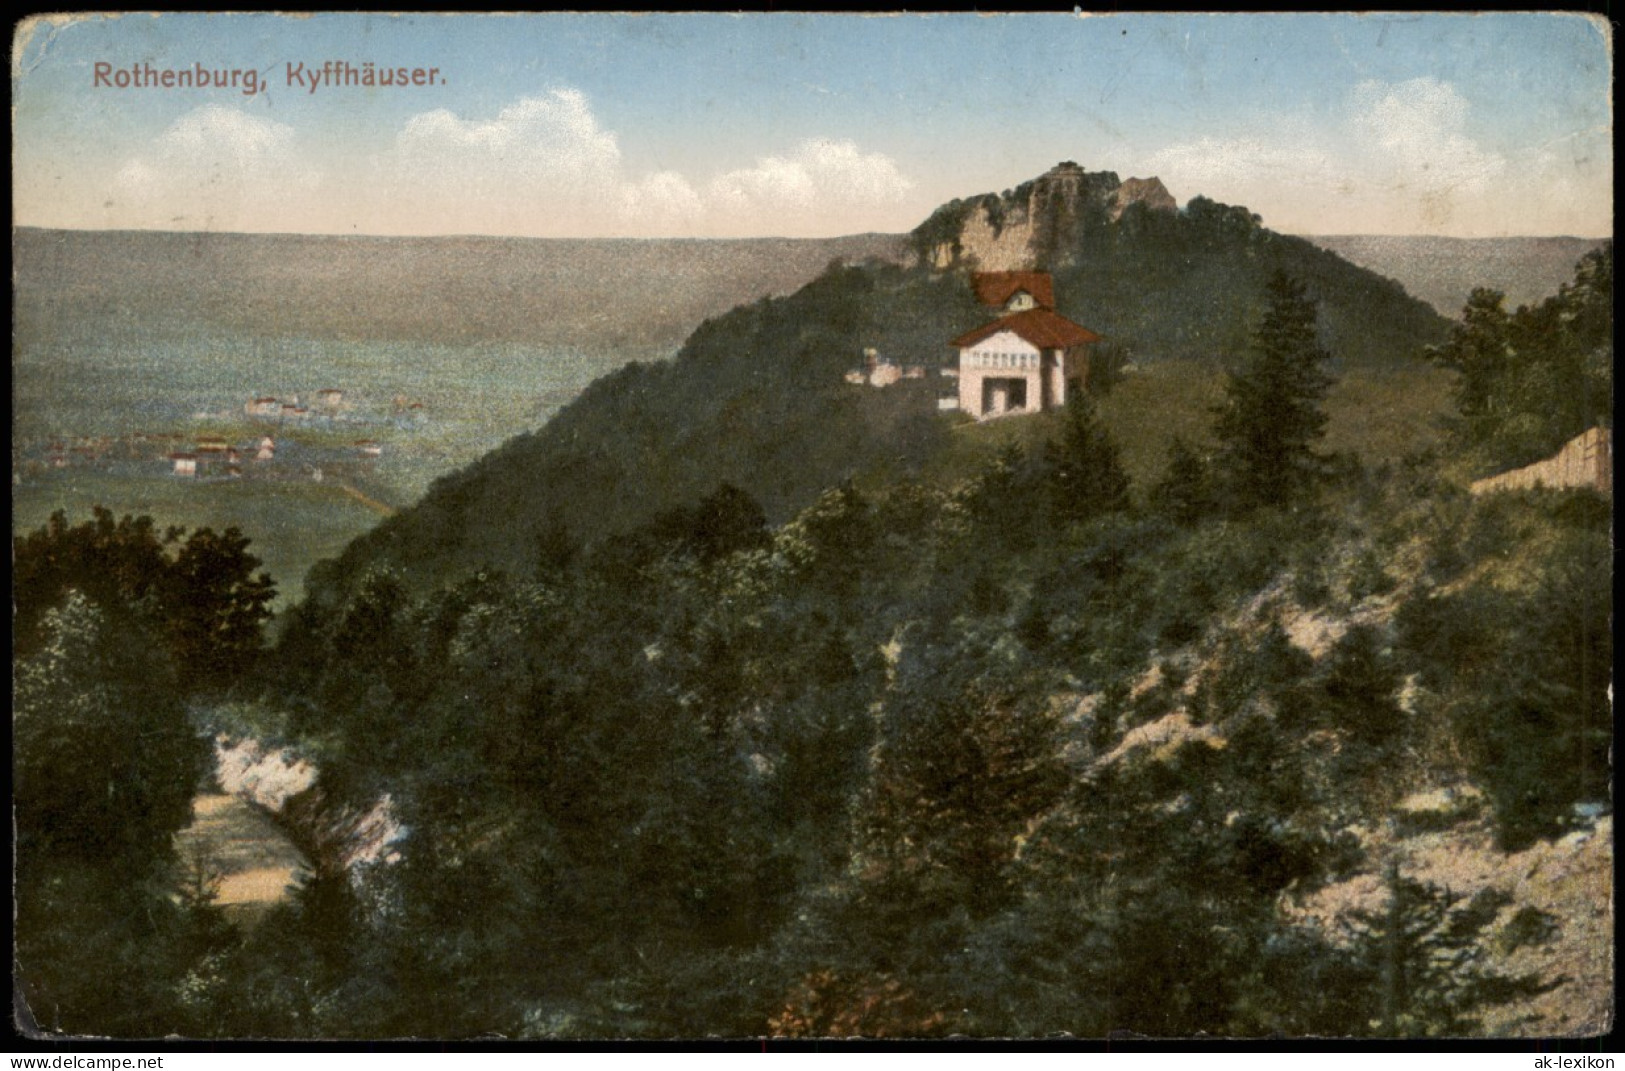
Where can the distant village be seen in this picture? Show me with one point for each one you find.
(260, 448)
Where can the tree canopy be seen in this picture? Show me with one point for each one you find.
(1531, 379)
(198, 595)
(1272, 418)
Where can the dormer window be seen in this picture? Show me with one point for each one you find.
(1030, 358)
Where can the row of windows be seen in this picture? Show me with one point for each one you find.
(1003, 360)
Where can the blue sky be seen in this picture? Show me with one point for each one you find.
(720, 125)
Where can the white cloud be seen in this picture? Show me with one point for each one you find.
(538, 159)
(538, 139)
(1246, 160)
(662, 202)
(819, 174)
(213, 168)
(544, 166)
(1402, 160)
(215, 129)
(1417, 129)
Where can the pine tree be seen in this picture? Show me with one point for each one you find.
(961, 767)
(1427, 958)
(1480, 351)
(1185, 493)
(1272, 418)
(1530, 380)
(1084, 470)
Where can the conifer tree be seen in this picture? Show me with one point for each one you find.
(1271, 418)
(1085, 471)
(1530, 380)
(1428, 962)
(1185, 493)
(1480, 351)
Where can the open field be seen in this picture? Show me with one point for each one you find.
(110, 412)
(1380, 415)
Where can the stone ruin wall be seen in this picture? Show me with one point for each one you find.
(1587, 461)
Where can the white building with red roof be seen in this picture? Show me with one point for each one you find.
(1027, 360)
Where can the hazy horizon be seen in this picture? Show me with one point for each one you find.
(752, 237)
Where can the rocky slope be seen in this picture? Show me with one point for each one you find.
(1422, 814)
(283, 786)
(1556, 922)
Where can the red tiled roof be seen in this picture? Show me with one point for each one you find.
(997, 287)
(1044, 328)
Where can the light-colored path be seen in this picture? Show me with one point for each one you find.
(254, 861)
(371, 503)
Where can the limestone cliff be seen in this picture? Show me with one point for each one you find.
(1038, 224)
(1149, 192)
(338, 838)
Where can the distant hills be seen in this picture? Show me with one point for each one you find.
(638, 294)
(1443, 271)
(643, 294)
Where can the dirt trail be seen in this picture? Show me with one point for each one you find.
(371, 503)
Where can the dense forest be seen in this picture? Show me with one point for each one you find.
(707, 716)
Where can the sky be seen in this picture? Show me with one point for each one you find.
(805, 125)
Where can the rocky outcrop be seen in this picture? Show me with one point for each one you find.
(1039, 224)
(258, 775)
(1149, 192)
(337, 837)
(1005, 244)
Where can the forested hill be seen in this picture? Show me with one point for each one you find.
(756, 398)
